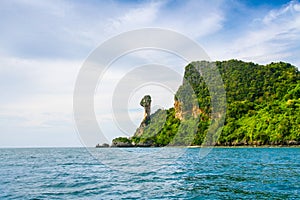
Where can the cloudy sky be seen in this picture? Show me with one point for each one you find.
(43, 45)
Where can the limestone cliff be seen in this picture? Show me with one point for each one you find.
(262, 103)
(146, 103)
(178, 109)
(179, 114)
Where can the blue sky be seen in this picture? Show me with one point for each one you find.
(44, 43)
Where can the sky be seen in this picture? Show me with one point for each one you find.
(43, 45)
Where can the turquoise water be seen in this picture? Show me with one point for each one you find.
(225, 173)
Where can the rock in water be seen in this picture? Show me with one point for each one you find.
(104, 145)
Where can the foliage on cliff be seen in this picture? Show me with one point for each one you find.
(263, 102)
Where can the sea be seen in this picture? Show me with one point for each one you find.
(149, 173)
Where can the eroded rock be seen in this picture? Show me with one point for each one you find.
(146, 103)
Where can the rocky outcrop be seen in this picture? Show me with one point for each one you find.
(122, 142)
(139, 131)
(146, 103)
(129, 142)
(104, 145)
(146, 143)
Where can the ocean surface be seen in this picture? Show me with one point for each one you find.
(78, 173)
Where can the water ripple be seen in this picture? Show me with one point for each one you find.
(226, 173)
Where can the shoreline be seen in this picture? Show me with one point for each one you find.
(218, 146)
(248, 146)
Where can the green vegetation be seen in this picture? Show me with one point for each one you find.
(263, 106)
(162, 128)
(263, 103)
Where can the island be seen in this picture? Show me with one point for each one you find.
(262, 101)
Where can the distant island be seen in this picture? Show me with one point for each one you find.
(263, 106)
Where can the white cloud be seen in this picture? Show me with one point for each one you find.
(196, 19)
(40, 111)
(273, 37)
(142, 15)
(193, 18)
(36, 95)
(42, 120)
(39, 76)
(55, 29)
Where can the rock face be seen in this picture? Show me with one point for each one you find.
(178, 109)
(196, 111)
(180, 114)
(146, 103)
